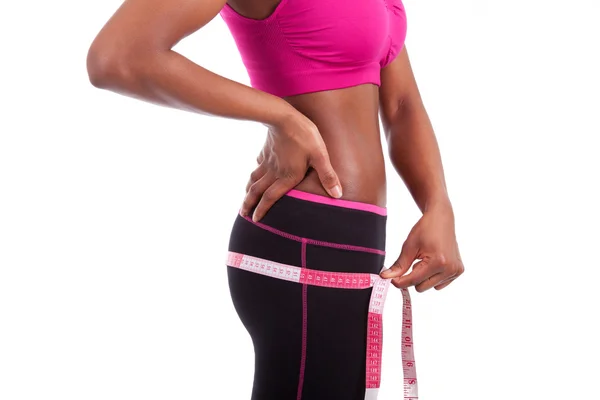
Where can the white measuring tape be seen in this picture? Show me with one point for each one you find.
(345, 280)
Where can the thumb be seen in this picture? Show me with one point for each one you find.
(327, 175)
(403, 263)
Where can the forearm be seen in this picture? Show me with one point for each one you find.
(415, 155)
(170, 79)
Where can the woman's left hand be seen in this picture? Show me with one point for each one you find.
(432, 241)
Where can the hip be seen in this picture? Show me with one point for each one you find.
(304, 281)
(301, 228)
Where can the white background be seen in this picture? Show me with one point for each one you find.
(115, 214)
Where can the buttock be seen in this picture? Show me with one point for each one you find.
(304, 282)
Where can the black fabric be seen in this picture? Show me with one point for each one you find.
(329, 223)
(272, 309)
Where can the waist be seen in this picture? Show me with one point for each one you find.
(362, 182)
(348, 122)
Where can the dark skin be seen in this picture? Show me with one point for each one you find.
(325, 143)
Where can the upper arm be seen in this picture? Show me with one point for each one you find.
(398, 89)
(150, 25)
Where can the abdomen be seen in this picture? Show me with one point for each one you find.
(348, 121)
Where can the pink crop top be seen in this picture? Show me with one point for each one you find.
(312, 45)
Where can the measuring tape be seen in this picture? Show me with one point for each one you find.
(345, 280)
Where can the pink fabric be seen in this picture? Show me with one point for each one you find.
(337, 202)
(313, 45)
(315, 242)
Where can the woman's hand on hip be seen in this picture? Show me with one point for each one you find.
(291, 148)
(432, 241)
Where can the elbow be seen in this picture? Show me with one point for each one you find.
(102, 67)
(108, 68)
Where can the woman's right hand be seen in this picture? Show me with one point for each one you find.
(293, 145)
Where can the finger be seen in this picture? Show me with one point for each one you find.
(420, 272)
(434, 280)
(408, 254)
(445, 283)
(258, 173)
(459, 271)
(327, 175)
(271, 195)
(255, 192)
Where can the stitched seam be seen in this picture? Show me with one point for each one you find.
(313, 241)
(304, 323)
(263, 21)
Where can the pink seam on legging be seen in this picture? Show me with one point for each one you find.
(314, 242)
(356, 205)
(304, 324)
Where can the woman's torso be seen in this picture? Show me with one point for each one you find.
(327, 37)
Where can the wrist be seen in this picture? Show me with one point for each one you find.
(438, 204)
(292, 124)
(280, 115)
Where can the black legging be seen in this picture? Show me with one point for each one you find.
(309, 341)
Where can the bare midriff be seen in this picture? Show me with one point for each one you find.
(348, 121)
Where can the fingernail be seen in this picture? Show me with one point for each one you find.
(385, 273)
(254, 217)
(336, 191)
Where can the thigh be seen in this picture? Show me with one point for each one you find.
(337, 319)
(271, 311)
(336, 343)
